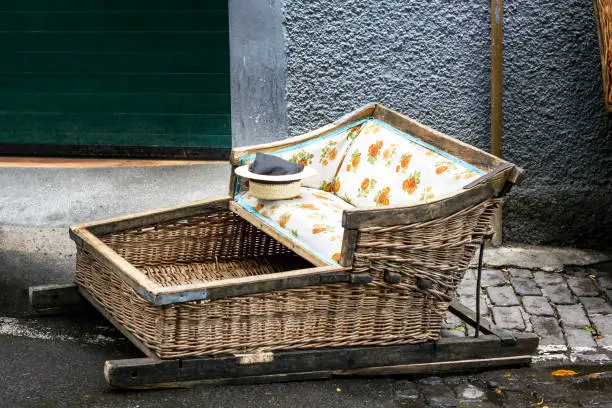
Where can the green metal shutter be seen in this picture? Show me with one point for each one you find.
(115, 73)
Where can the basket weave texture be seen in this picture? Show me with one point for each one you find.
(603, 10)
(220, 244)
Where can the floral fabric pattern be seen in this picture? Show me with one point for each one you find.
(324, 155)
(384, 167)
(314, 218)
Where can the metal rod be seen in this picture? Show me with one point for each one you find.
(478, 279)
(497, 9)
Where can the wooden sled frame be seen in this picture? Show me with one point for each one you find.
(493, 349)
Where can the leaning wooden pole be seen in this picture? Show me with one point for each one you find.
(497, 9)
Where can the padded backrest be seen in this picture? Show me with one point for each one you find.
(384, 166)
(324, 154)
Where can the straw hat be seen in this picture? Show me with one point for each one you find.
(267, 187)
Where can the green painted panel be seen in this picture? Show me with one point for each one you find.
(121, 103)
(113, 41)
(113, 83)
(88, 128)
(114, 5)
(111, 72)
(114, 62)
(105, 20)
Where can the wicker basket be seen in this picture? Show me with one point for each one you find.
(211, 278)
(603, 12)
(218, 244)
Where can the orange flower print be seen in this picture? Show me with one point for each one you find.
(441, 169)
(284, 219)
(309, 206)
(352, 134)
(336, 186)
(365, 183)
(374, 150)
(388, 154)
(366, 187)
(355, 159)
(405, 161)
(321, 196)
(336, 257)
(373, 128)
(302, 157)
(468, 174)
(429, 153)
(318, 230)
(397, 169)
(259, 207)
(427, 194)
(443, 166)
(412, 182)
(328, 153)
(266, 214)
(325, 186)
(382, 197)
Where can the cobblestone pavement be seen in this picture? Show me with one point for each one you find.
(571, 311)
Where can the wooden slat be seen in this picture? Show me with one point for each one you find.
(271, 231)
(148, 372)
(357, 114)
(54, 299)
(251, 284)
(444, 367)
(155, 216)
(349, 241)
(146, 351)
(356, 218)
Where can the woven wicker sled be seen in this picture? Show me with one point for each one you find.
(214, 287)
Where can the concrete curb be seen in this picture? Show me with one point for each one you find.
(550, 259)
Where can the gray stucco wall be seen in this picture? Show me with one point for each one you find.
(430, 60)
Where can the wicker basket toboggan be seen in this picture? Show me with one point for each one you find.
(134, 267)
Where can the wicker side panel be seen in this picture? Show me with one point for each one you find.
(438, 251)
(216, 235)
(603, 8)
(144, 321)
(315, 317)
(320, 316)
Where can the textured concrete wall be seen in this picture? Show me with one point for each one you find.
(430, 60)
(258, 70)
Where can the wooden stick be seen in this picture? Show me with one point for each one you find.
(448, 354)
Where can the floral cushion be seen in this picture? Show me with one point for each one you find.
(385, 166)
(324, 154)
(314, 219)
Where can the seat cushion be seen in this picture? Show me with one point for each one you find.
(324, 154)
(313, 219)
(385, 166)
